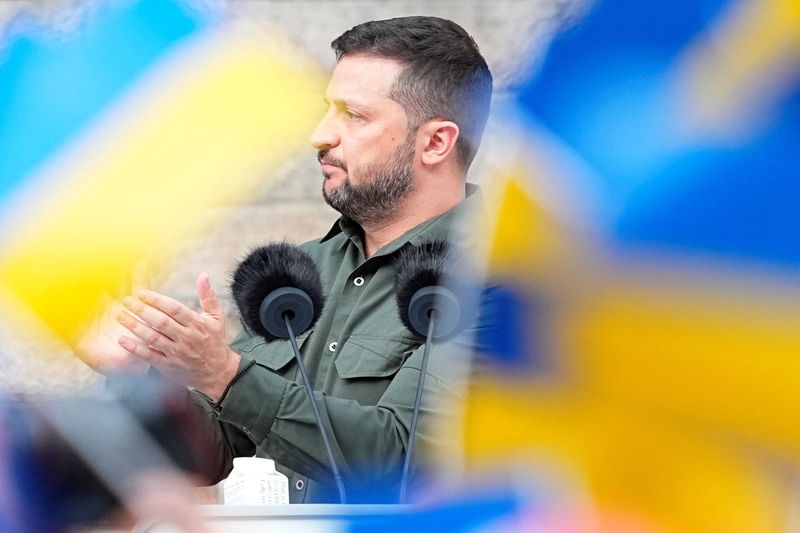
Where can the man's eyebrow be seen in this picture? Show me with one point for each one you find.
(342, 102)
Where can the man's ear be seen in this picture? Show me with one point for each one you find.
(440, 138)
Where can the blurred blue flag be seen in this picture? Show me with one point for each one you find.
(612, 89)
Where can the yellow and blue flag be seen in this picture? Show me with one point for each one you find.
(115, 136)
(644, 251)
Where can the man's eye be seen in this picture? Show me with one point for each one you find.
(350, 115)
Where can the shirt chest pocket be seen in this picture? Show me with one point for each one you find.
(275, 355)
(366, 356)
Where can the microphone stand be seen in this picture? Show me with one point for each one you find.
(417, 403)
(307, 383)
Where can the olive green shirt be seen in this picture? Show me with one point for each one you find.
(364, 366)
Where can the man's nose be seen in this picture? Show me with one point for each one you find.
(325, 135)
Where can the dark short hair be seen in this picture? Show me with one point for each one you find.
(444, 75)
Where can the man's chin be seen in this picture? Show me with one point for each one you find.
(329, 192)
(331, 185)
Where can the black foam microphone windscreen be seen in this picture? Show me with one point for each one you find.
(429, 277)
(272, 267)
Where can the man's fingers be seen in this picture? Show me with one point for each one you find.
(139, 350)
(209, 301)
(145, 333)
(169, 306)
(153, 317)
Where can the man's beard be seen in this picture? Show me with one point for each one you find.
(381, 190)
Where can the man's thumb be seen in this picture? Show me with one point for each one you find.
(209, 301)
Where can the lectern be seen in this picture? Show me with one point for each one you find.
(297, 518)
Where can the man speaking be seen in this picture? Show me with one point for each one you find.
(407, 104)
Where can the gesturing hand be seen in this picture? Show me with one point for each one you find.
(185, 346)
(99, 347)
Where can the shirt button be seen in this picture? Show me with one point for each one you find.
(299, 484)
(332, 346)
(359, 281)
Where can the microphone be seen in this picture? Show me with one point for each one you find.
(278, 291)
(430, 304)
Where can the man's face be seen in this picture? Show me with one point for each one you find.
(363, 143)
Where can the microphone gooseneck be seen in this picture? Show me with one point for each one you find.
(429, 304)
(307, 384)
(278, 291)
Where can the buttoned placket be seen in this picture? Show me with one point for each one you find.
(348, 295)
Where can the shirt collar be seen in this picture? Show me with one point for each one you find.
(449, 225)
(339, 226)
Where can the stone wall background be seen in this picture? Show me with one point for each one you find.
(512, 35)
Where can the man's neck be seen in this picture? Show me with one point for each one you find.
(415, 210)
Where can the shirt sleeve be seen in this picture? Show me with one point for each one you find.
(229, 441)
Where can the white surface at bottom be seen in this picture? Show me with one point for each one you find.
(299, 518)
